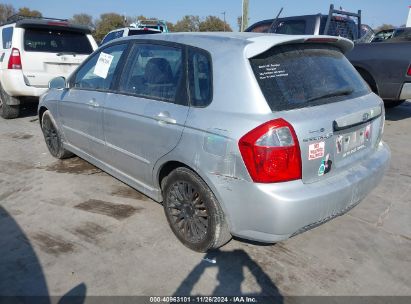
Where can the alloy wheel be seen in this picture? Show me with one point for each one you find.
(51, 136)
(188, 212)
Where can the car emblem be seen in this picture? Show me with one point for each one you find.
(365, 116)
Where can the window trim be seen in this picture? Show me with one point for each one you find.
(118, 71)
(209, 57)
(126, 70)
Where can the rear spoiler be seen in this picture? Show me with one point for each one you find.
(265, 42)
(53, 24)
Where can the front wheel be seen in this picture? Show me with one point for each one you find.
(193, 212)
(52, 137)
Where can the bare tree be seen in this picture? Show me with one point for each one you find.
(83, 19)
(214, 24)
(25, 11)
(6, 10)
(188, 23)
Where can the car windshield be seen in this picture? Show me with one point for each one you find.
(297, 76)
(56, 41)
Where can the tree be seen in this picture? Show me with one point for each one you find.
(82, 19)
(107, 23)
(214, 24)
(6, 10)
(384, 27)
(188, 23)
(170, 26)
(25, 11)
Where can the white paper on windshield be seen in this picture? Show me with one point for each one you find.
(103, 65)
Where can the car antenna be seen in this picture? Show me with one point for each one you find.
(275, 20)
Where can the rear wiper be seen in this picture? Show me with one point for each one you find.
(332, 94)
(67, 53)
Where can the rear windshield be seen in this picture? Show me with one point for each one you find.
(56, 41)
(298, 76)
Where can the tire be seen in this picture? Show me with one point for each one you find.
(53, 137)
(392, 103)
(8, 111)
(193, 212)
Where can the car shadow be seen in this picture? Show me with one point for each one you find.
(230, 266)
(401, 112)
(28, 109)
(22, 279)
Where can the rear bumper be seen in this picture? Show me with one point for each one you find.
(14, 85)
(274, 212)
(405, 91)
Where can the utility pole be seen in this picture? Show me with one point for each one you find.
(223, 13)
(409, 18)
(244, 16)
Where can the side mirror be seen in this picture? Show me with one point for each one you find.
(57, 83)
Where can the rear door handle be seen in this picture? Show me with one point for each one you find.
(93, 103)
(165, 117)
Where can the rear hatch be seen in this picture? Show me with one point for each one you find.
(51, 51)
(337, 120)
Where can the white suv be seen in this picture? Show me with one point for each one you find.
(32, 52)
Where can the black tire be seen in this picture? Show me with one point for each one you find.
(392, 103)
(193, 212)
(8, 111)
(53, 137)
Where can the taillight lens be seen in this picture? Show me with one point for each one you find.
(15, 60)
(271, 152)
(409, 71)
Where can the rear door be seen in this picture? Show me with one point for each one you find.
(145, 119)
(51, 52)
(337, 120)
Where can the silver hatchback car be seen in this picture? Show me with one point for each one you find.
(259, 136)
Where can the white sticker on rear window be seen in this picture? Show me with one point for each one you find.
(268, 71)
(103, 65)
(316, 150)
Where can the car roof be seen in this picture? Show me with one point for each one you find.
(253, 43)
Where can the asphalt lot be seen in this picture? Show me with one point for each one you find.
(67, 228)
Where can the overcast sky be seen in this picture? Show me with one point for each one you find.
(375, 12)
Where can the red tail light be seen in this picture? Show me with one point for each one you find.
(271, 152)
(15, 60)
(409, 71)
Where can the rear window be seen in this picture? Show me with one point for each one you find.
(260, 28)
(293, 27)
(112, 36)
(298, 76)
(56, 41)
